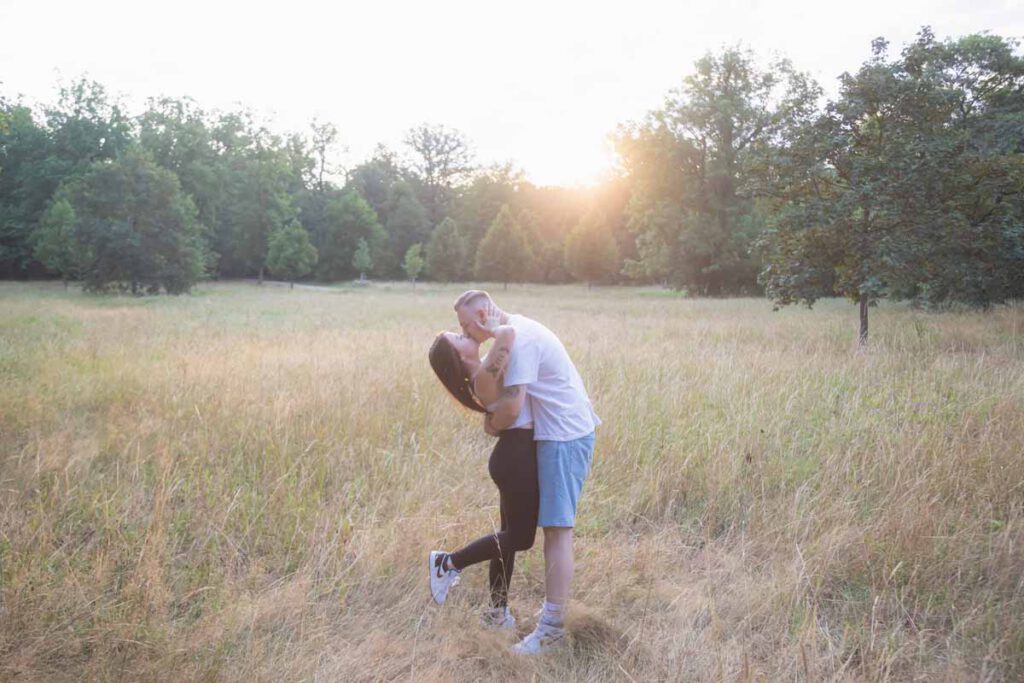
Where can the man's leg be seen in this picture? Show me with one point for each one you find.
(558, 563)
(562, 467)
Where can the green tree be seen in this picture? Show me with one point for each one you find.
(897, 191)
(362, 261)
(696, 167)
(413, 262)
(446, 253)
(441, 159)
(28, 180)
(55, 246)
(348, 220)
(504, 256)
(259, 176)
(290, 254)
(325, 138)
(591, 254)
(136, 230)
(408, 224)
(178, 135)
(374, 178)
(479, 201)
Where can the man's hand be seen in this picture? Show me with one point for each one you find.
(488, 427)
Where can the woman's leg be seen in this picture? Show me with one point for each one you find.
(519, 526)
(500, 570)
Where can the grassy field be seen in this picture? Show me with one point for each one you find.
(243, 485)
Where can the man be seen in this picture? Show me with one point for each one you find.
(540, 371)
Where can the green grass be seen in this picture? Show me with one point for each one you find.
(243, 484)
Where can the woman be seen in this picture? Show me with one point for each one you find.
(477, 384)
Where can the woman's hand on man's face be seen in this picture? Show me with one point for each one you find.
(492, 317)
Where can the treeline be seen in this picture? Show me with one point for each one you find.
(907, 184)
(158, 201)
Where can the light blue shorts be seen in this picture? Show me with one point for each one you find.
(562, 467)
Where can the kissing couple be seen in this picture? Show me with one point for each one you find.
(533, 400)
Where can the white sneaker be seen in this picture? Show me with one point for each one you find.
(542, 639)
(499, 618)
(441, 579)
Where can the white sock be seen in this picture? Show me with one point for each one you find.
(553, 614)
(447, 564)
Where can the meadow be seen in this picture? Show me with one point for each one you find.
(242, 484)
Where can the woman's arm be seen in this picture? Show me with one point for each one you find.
(507, 410)
(488, 381)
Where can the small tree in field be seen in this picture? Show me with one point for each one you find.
(591, 254)
(290, 254)
(504, 256)
(55, 241)
(445, 252)
(361, 260)
(413, 263)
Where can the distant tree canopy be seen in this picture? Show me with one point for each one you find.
(907, 185)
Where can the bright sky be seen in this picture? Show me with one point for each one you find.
(541, 84)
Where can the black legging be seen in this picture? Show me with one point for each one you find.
(513, 467)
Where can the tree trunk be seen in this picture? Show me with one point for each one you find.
(506, 286)
(862, 339)
(291, 285)
(261, 275)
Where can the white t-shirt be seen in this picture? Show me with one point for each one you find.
(558, 401)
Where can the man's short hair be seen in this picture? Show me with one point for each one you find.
(469, 297)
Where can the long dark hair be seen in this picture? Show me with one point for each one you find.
(449, 368)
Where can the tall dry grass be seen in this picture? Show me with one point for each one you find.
(243, 485)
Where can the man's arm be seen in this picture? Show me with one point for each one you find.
(507, 410)
(488, 383)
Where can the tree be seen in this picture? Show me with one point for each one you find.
(407, 224)
(504, 255)
(446, 252)
(696, 164)
(178, 136)
(325, 137)
(136, 230)
(442, 157)
(348, 220)
(479, 202)
(413, 263)
(361, 260)
(27, 183)
(86, 125)
(373, 179)
(896, 192)
(259, 178)
(55, 245)
(591, 254)
(290, 254)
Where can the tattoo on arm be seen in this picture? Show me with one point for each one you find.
(511, 392)
(500, 356)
